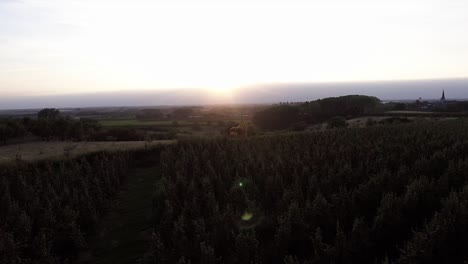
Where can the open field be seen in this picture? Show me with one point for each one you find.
(134, 123)
(43, 150)
(412, 112)
(137, 123)
(425, 114)
(361, 121)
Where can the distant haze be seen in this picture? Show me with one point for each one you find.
(455, 89)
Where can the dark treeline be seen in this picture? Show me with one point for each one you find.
(149, 114)
(49, 125)
(452, 107)
(47, 209)
(461, 106)
(286, 115)
(384, 194)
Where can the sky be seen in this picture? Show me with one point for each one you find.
(68, 47)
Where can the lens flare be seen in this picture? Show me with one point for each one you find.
(247, 216)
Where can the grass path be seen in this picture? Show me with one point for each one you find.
(46, 150)
(126, 228)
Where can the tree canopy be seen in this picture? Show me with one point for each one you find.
(384, 194)
(284, 115)
(48, 113)
(276, 117)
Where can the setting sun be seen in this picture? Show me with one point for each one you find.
(224, 95)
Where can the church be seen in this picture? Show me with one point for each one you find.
(442, 102)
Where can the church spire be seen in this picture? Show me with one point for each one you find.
(443, 95)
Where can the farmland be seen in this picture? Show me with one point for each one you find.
(382, 194)
(136, 123)
(46, 150)
(310, 183)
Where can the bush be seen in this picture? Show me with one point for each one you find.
(299, 126)
(370, 122)
(336, 122)
(118, 134)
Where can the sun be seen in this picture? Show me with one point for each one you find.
(225, 95)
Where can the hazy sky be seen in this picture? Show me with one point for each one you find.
(66, 46)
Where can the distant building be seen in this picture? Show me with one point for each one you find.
(442, 103)
(422, 105)
(439, 105)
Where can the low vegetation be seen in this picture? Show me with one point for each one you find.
(383, 194)
(59, 150)
(48, 209)
(49, 125)
(361, 188)
(287, 115)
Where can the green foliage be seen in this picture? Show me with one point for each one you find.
(118, 134)
(276, 117)
(11, 129)
(196, 126)
(336, 122)
(350, 105)
(370, 122)
(383, 194)
(182, 113)
(395, 120)
(445, 238)
(150, 114)
(48, 114)
(399, 107)
(48, 208)
(299, 126)
(48, 126)
(285, 115)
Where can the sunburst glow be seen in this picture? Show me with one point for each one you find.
(67, 46)
(222, 94)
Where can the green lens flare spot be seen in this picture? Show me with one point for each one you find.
(247, 216)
